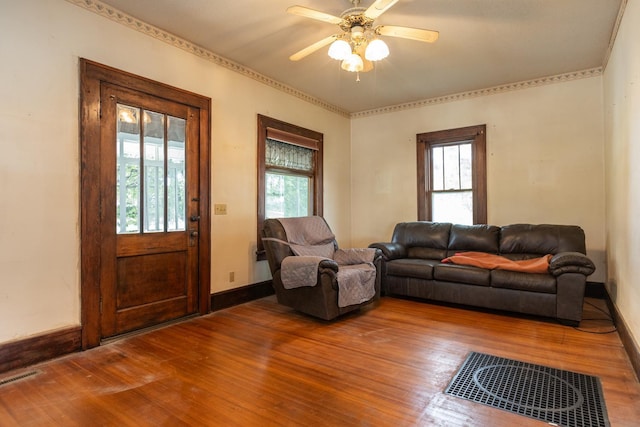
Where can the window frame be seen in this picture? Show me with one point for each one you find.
(291, 134)
(425, 141)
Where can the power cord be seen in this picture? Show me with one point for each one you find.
(608, 317)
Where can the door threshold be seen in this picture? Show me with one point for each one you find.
(135, 332)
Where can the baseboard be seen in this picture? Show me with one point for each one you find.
(28, 351)
(231, 297)
(628, 342)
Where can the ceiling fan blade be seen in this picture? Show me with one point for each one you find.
(312, 48)
(314, 14)
(378, 8)
(418, 34)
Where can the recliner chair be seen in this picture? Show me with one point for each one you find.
(312, 239)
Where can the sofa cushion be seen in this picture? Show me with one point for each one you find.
(463, 274)
(407, 267)
(432, 238)
(532, 282)
(541, 239)
(479, 238)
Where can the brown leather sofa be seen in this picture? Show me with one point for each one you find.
(412, 267)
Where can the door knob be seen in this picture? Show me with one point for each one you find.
(194, 234)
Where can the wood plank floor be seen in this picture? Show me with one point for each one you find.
(261, 364)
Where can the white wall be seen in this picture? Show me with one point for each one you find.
(622, 154)
(42, 41)
(544, 160)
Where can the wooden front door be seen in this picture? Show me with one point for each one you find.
(150, 261)
(150, 203)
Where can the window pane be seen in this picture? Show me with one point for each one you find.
(455, 207)
(466, 180)
(128, 170)
(176, 184)
(281, 154)
(438, 168)
(451, 168)
(287, 195)
(154, 171)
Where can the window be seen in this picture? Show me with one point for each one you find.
(452, 176)
(289, 172)
(150, 171)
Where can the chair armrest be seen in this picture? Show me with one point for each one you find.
(328, 264)
(571, 262)
(355, 256)
(390, 250)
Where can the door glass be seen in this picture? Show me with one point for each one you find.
(176, 183)
(153, 171)
(155, 145)
(128, 170)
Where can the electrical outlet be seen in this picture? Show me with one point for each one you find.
(232, 276)
(220, 209)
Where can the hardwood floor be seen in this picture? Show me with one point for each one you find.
(261, 364)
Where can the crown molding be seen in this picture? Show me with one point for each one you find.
(129, 21)
(559, 78)
(614, 33)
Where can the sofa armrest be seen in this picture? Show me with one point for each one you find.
(571, 262)
(390, 250)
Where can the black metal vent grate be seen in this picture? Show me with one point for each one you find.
(18, 377)
(558, 397)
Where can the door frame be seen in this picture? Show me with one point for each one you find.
(92, 76)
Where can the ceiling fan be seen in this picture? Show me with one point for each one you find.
(358, 44)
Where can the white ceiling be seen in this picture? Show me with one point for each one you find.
(482, 44)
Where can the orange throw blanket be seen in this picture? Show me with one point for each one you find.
(491, 261)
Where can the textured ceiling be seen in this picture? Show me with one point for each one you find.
(482, 44)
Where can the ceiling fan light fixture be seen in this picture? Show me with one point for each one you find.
(353, 63)
(376, 50)
(339, 50)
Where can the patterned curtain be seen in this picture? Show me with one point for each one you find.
(281, 154)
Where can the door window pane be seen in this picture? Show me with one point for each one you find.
(128, 170)
(154, 143)
(154, 171)
(176, 178)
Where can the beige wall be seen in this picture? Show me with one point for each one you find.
(42, 41)
(544, 160)
(622, 154)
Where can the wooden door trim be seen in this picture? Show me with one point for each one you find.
(92, 76)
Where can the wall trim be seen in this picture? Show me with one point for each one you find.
(628, 342)
(39, 348)
(236, 296)
(509, 87)
(129, 21)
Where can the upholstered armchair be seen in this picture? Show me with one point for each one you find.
(312, 274)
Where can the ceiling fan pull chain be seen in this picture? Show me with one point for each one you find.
(357, 76)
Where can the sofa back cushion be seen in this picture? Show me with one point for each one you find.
(479, 238)
(423, 239)
(526, 240)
